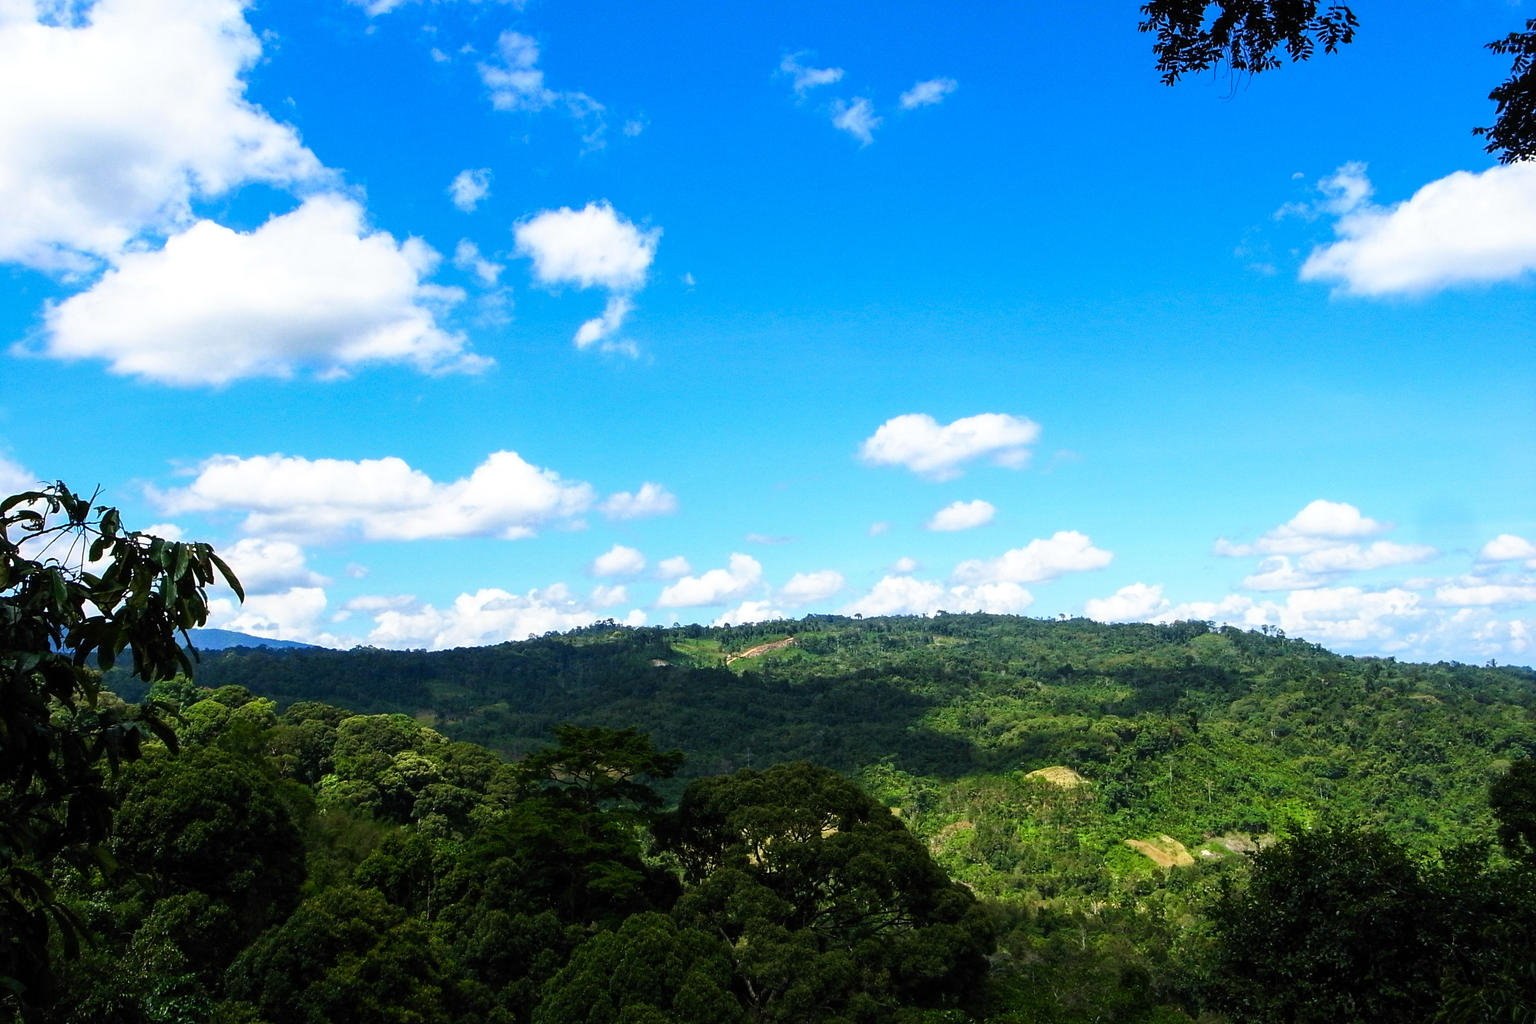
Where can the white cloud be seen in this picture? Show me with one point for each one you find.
(488, 616)
(857, 118)
(618, 561)
(1039, 560)
(116, 123)
(715, 586)
(1507, 547)
(927, 93)
(380, 499)
(961, 515)
(377, 7)
(1345, 617)
(268, 566)
(1133, 603)
(371, 603)
(1354, 558)
(807, 587)
(750, 611)
(311, 289)
(904, 595)
(292, 614)
(466, 256)
(169, 531)
(609, 596)
(918, 442)
(516, 83)
(1392, 621)
(604, 327)
(673, 568)
(807, 78)
(1319, 545)
(878, 528)
(904, 565)
(1485, 594)
(469, 187)
(1320, 525)
(1463, 229)
(650, 500)
(587, 247)
(1277, 573)
(15, 478)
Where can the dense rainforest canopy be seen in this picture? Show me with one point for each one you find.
(955, 818)
(916, 819)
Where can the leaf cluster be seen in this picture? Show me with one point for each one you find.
(1513, 134)
(1245, 35)
(76, 591)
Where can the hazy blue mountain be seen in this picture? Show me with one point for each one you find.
(220, 639)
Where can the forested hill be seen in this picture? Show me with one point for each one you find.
(1182, 728)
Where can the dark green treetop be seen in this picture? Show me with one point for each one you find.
(77, 590)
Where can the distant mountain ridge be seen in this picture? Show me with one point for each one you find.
(223, 639)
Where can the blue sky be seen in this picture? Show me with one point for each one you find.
(454, 322)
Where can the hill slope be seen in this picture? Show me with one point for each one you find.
(1180, 729)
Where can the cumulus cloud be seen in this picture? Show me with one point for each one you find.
(603, 328)
(1039, 560)
(1507, 547)
(515, 82)
(1277, 573)
(486, 617)
(1485, 594)
(650, 500)
(925, 94)
(715, 586)
(1318, 545)
(918, 442)
(132, 111)
(1346, 617)
(380, 499)
(905, 565)
(609, 596)
(748, 612)
(618, 561)
(266, 566)
(804, 77)
(466, 256)
(856, 117)
(1394, 620)
(15, 478)
(905, 595)
(673, 568)
(961, 515)
(309, 290)
(291, 614)
(1463, 229)
(469, 187)
(807, 587)
(593, 246)
(1320, 525)
(1355, 558)
(1134, 603)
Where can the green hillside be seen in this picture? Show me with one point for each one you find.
(1087, 823)
(1180, 729)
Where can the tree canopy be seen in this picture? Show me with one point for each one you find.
(76, 590)
(1248, 36)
